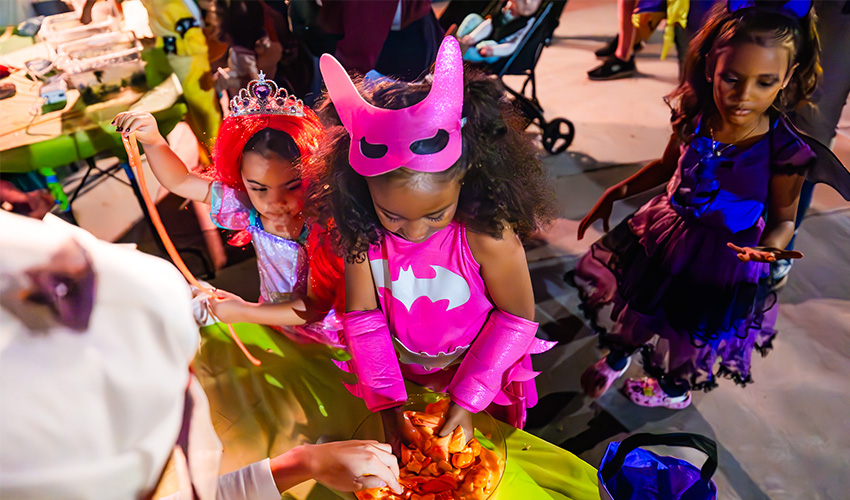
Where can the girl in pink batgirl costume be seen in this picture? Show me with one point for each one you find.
(432, 186)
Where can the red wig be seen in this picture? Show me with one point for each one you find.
(235, 131)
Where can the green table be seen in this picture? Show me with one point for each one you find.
(39, 143)
(62, 150)
(77, 132)
(296, 396)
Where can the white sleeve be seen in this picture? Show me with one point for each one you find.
(481, 31)
(254, 482)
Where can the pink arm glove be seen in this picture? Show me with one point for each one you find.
(503, 340)
(374, 359)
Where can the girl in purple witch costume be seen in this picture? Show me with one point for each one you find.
(431, 185)
(682, 273)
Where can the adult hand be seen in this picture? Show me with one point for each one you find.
(353, 465)
(140, 123)
(763, 254)
(602, 210)
(33, 204)
(458, 416)
(228, 307)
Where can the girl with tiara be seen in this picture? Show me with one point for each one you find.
(432, 186)
(255, 186)
(682, 273)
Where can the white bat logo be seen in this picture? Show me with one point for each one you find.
(446, 285)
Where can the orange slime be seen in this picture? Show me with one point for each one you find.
(132, 148)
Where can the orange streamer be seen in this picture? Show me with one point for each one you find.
(132, 148)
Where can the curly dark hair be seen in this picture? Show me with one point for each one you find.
(504, 183)
(766, 27)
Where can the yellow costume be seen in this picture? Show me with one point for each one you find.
(179, 34)
(675, 11)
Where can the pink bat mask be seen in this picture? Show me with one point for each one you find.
(425, 137)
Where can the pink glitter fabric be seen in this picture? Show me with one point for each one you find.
(445, 331)
(397, 130)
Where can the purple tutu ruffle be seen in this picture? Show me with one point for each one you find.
(679, 294)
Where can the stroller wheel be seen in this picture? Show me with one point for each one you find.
(555, 139)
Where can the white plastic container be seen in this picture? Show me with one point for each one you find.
(67, 27)
(102, 66)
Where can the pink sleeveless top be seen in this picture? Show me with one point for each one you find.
(433, 297)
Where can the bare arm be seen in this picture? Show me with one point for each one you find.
(783, 198)
(360, 296)
(230, 308)
(653, 174)
(505, 272)
(359, 287)
(168, 168)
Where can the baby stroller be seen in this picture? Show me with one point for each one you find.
(557, 134)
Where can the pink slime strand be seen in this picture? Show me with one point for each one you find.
(132, 148)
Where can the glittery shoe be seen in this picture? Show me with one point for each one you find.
(599, 377)
(646, 392)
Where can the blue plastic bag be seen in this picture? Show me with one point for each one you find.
(628, 472)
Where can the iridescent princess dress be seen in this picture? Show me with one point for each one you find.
(285, 265)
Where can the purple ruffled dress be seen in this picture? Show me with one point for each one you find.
(677, 291)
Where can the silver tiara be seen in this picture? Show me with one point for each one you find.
(263, 97)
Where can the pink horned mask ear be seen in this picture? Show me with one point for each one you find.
(347, 100)
(425, 137)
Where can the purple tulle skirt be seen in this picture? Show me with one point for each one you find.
(676, 292)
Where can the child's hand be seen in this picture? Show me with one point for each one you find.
(486, 51)
(353, 465)
(764, 254)
(602, 210)
(458, 416)
(228, 308)
(394, 429)
(140, 123)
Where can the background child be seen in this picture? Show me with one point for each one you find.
(177, 26)
(683, 272)
(256, 187)
(430, 211)
(490, 39)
